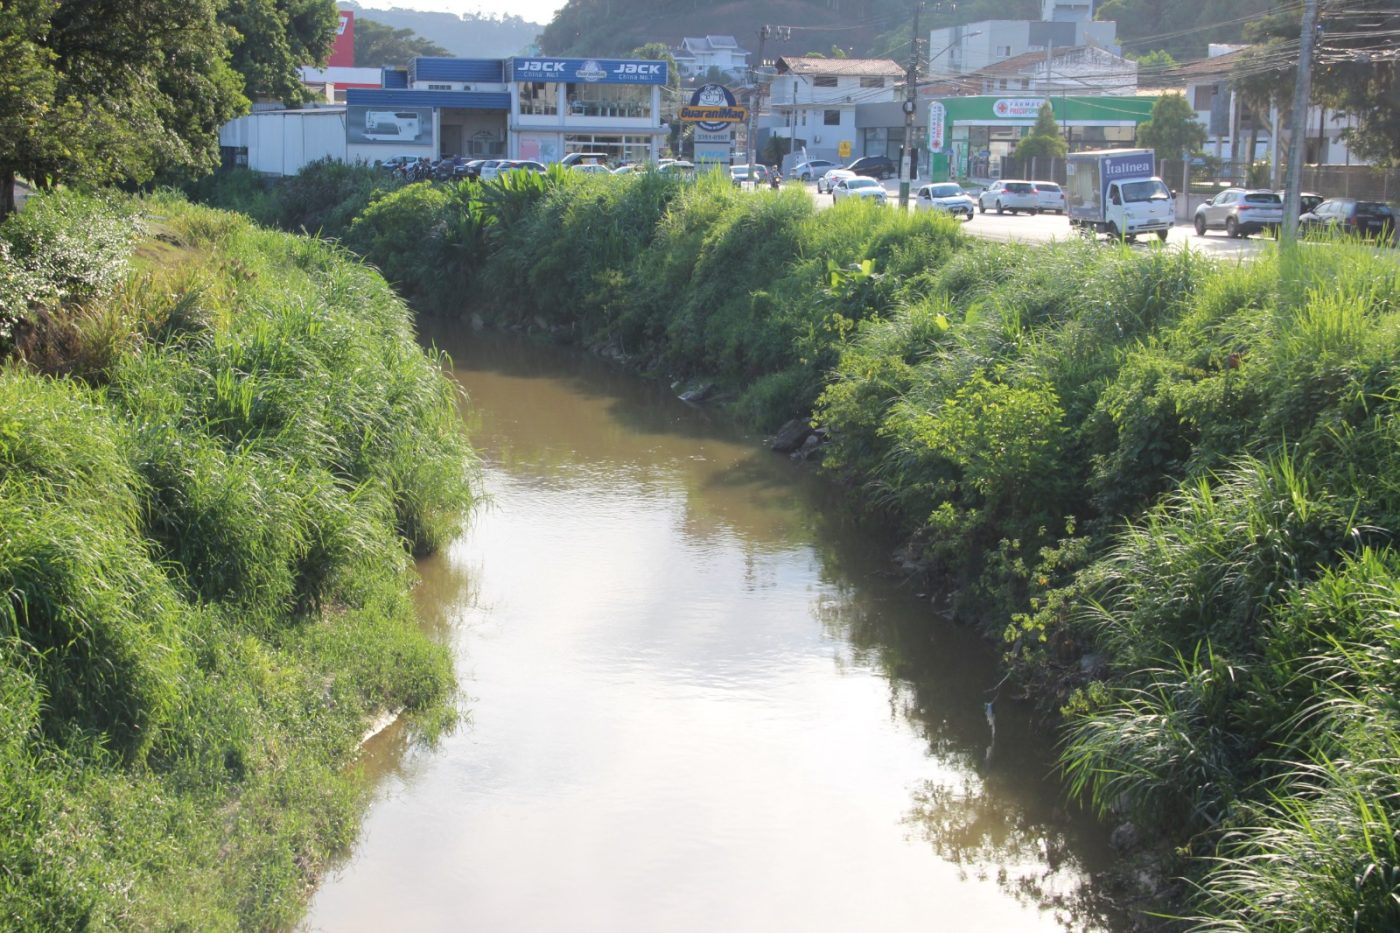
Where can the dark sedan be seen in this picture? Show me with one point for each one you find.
(1370, 219)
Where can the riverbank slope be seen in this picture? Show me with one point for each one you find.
(218, 446)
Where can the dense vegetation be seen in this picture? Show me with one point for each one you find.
(1167, 482)
(218, 445)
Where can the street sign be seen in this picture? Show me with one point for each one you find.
(843, 149)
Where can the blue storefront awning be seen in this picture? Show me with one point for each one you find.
(461, 100)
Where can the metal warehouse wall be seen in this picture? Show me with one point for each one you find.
(282, 142)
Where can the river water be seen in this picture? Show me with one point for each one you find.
(695, 699)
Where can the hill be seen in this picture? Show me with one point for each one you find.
(466, 36)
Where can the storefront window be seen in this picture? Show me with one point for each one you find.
(539, 98)
(617, 148)
(609, 100)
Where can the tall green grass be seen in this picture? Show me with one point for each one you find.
(1170, 482)
(218, 448)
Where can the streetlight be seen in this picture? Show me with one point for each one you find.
(906, 167)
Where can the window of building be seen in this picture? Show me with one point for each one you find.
(1004, 50)
(873, 82)
(831, 118)
(824, 81)
(617, 148)
(1205, 94)
(1001, 84)
(539, 98)
(609, 100)
(439, 87)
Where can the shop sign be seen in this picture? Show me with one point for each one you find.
(589, 70)
(843, 149)
(1017, 108)
(713, 107)
(937, 116)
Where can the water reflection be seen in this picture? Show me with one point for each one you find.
(698, 702)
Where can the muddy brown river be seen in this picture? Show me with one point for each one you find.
(694, 699)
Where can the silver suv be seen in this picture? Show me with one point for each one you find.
(1240, 212)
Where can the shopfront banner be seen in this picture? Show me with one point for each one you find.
(590, 70)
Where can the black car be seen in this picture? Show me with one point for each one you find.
(881, 167)
(1370, 219)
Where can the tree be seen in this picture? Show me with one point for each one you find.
(1044, 140)
(1173, 130)
(377, 45)
(1356, 70)
(1155, 67)
(101, 91)
(271, 39)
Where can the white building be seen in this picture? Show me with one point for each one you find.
(696, 56)
(975, 46)
(1062, 72)
(1226, 117)
(814, 100)
(282, 142)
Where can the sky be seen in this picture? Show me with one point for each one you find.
(534, 11)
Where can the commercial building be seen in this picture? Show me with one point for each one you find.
(969, 136)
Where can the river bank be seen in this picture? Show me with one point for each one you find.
(218, 446)
(1162, 481)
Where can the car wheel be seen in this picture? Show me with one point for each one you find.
(982, 208)
(1200, 225)
(1162, 235)
(1000, 210)
(1113, 233)
(1232, 228)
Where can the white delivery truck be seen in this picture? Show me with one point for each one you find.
(1117, 191)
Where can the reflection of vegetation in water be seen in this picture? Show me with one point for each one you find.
(989, 837)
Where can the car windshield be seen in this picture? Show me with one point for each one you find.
(944, 191)
(1153, 190)
(1267, 198)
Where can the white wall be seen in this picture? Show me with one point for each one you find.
(282, 142)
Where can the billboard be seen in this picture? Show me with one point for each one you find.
(403, 126)
(343, 52)
(589, 70)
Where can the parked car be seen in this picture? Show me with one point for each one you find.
(473, 168)
(1370, 219)
(1049, 196)
(489, 169)
(1014, 196)
(812, 168)
(394, 163)
(881, 167)
(944, 196)
(1240, 212)
(740, 174)
(575, 158)
(826, 182)
(859, 187)
(529, 165)
(676, 167)
(1306, 201)
(590, 168)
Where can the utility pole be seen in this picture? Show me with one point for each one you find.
(911, 89)
(1302, 91)
(777, 32)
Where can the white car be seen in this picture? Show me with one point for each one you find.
(859, 187)
(828, 181)
(1049, 196)
(944, 196)
(590, 168)
(1010, 196)
(812, 168)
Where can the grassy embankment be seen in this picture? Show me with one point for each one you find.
(1170, 484)
(218, 445)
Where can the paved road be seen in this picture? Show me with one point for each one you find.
(1041, 228)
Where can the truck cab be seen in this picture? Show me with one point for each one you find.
(1140, 205)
